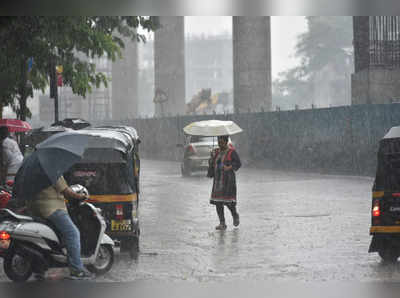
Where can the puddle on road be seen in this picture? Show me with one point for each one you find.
(149, 254)
(308, 215)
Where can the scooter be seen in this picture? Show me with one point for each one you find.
(32, 246)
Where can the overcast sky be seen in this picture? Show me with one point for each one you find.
(284, 31)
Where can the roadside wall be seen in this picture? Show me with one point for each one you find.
(340, 140)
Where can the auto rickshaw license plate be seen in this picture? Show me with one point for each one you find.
(121, 225)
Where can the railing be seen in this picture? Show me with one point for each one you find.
(384, 36)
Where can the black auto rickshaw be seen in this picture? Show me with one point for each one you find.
(110, 170)
(385, 210)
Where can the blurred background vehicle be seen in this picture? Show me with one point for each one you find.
(196, 153)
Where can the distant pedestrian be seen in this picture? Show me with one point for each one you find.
(223, 164)
(11, 156)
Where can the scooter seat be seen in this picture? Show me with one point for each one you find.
(8, 212)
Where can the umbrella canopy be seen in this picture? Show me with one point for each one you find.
(48, 163)
(69, 141)
(37, 135)
(212, 128)
(59, 152)
(15, 125)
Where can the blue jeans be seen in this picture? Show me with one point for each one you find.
(70, 237)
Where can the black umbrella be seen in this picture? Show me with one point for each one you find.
(52, 158)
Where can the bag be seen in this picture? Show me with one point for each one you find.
(17, 200)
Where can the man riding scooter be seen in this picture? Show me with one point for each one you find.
(40, 186)
(50, 204)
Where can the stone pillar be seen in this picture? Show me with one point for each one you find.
(375, 86)
(169, 67)
(376, 60)
(125, 83)
(252, 64)
(361, 42)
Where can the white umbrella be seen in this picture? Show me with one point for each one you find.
(212, 128)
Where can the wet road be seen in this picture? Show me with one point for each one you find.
(294, 226)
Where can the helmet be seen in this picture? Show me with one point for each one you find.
(80, 189)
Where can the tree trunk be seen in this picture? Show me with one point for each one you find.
(23, 94)
(22, 106)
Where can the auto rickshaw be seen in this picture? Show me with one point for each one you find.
(385, 209)
(110, 170)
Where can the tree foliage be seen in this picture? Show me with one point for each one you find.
(328, 41)
(70, 41)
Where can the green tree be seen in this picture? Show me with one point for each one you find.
(7, 87)
(328, 41)
(65, 41)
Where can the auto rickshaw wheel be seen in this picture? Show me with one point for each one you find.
(134, 249)
(388, 254)
(131, 245)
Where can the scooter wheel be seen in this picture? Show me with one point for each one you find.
(17, 267)
(131, 245)
(104, 260)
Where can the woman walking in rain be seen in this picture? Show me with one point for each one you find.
(223, 164)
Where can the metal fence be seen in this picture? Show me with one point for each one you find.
(384, 32)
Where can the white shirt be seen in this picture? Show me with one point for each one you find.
(12, 157)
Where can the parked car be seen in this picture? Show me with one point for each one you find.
(196, 152)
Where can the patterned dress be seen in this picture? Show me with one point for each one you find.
(224, 184)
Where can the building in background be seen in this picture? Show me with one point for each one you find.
(209, 65)
(124, 81)
(96, 106)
